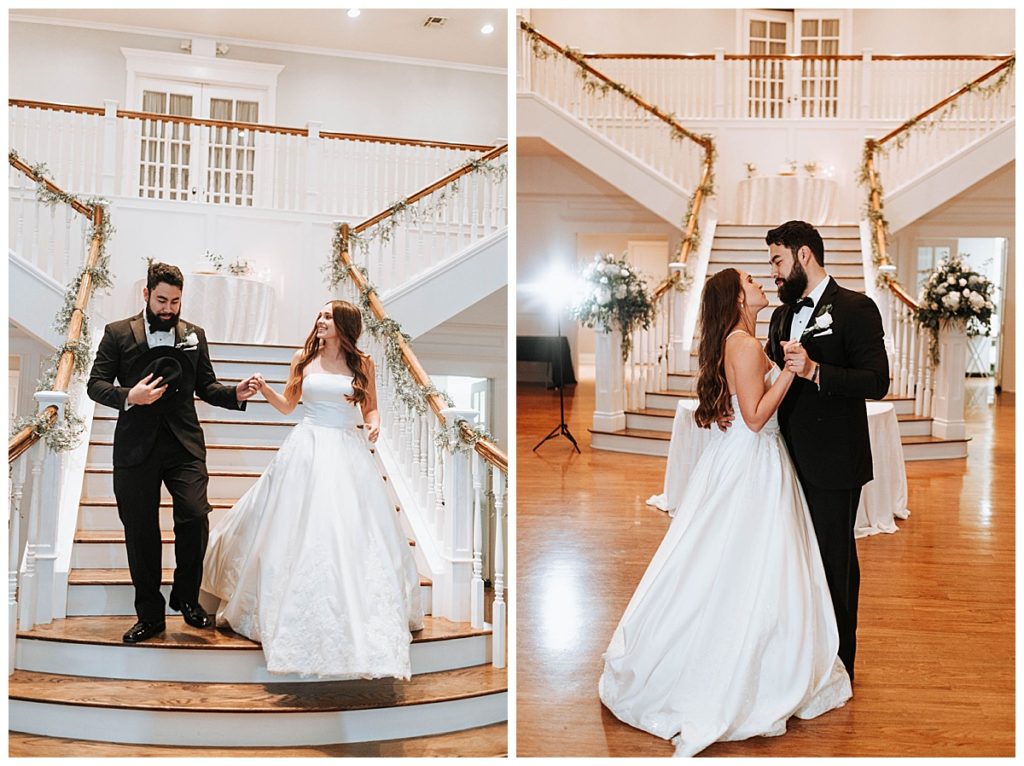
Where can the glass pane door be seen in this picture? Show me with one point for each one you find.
(165, 147)
(768, 33)
(231, 151)
(819, 78)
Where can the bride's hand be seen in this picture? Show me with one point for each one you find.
(372, 432)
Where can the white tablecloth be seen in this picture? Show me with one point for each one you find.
(231, 309)
(777, 199)
(882, 500)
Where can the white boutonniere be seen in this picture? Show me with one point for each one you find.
(822, 322)
(191, 342)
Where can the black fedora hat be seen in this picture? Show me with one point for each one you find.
(170, 363)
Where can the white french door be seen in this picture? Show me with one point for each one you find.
(202, 163)
(768, 33)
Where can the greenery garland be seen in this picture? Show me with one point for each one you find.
(389, 334)
(912, 126)
(402, 211)
(64, 435)
(601, 87)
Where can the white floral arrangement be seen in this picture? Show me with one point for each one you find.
(956, 293)
(616, 297)
(238, 268)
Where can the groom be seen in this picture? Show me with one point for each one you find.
(160, 363)
(840, 361)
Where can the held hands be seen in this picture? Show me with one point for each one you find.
(146, 391)
(248, 388)
(797, 361)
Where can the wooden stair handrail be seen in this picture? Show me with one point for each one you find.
(797, 56)
(947, 100)
(427, 190)
(706, 143)
(22, 166)
(22, 441)
(875, 197)
(256, 127)
(486, 449)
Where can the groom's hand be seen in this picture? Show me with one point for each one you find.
(146, 391)
(247, 389)
(797, 360)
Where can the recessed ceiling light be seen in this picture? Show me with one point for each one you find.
(353, 12)
(487, 28)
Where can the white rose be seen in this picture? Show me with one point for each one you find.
(603, 296)
(952, 300)
(824, 321)
(951, 279)
(988, 304)
(624, 272)
(599, 268)
(976, 301)
(604, 280)
(963, 282)
(973, 279)
(620, 292)
(191, 339)
(935, 307)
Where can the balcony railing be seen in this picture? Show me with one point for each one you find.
(111, 151)
(734, 86)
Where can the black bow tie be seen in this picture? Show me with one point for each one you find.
(153, 328)
(803, 302)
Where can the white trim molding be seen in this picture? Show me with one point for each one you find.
(203, 69)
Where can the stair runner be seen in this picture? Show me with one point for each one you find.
(75, 679)
(648, 430)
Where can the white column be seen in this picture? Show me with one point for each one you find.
(452, 598)
(610, 394)
(45, 524)
(679, 344)
(865, 85)
(314, 159)
(949, 383)
(109, 159)
(719, 83)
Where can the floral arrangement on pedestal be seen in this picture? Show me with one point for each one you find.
(616, 297)
(955, 293)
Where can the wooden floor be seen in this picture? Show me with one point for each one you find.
(935, 661)
(486, 741)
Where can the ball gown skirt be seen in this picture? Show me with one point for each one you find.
(312, 561)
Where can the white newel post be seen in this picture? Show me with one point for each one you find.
(866, 96)
(679, 346)
(314, 160)
(949, 383)
(107, 182)
(498, 615)
(41, 545)
(609, 383)
(453, 599)
(720, 74)
(13, 561)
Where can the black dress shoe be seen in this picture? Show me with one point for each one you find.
(194, 614)
(142, 630)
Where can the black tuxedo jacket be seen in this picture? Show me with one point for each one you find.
(123, 342)
(826, 428)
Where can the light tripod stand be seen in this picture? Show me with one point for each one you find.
(561, 429)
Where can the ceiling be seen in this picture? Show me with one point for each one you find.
(387, 32)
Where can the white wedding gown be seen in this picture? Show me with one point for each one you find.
(312, 561)
(731, 630)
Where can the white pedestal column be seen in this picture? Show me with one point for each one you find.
(679, 347)
(610, 398)
(949, 383)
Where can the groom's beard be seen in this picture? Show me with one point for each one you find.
(157, 323)
(792, 288)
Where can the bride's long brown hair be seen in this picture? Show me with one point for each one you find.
(719, 313)
(349, 323)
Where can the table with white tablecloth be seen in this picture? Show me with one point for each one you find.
(882, 500)
(777, 199)
(230, 309)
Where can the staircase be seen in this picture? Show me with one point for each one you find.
(75, 679)
(648, 428)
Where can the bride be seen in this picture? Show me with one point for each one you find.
(312, 561)
(731, 630)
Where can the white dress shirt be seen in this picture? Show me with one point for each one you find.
(802, 316)
(154, 338)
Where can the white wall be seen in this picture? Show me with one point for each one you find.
(987, 209)
(558, 201)
(633, 30)
(48, 62)
(33, 355)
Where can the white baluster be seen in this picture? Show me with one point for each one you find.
(13, 557)
(498, 616)
(423, 481)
